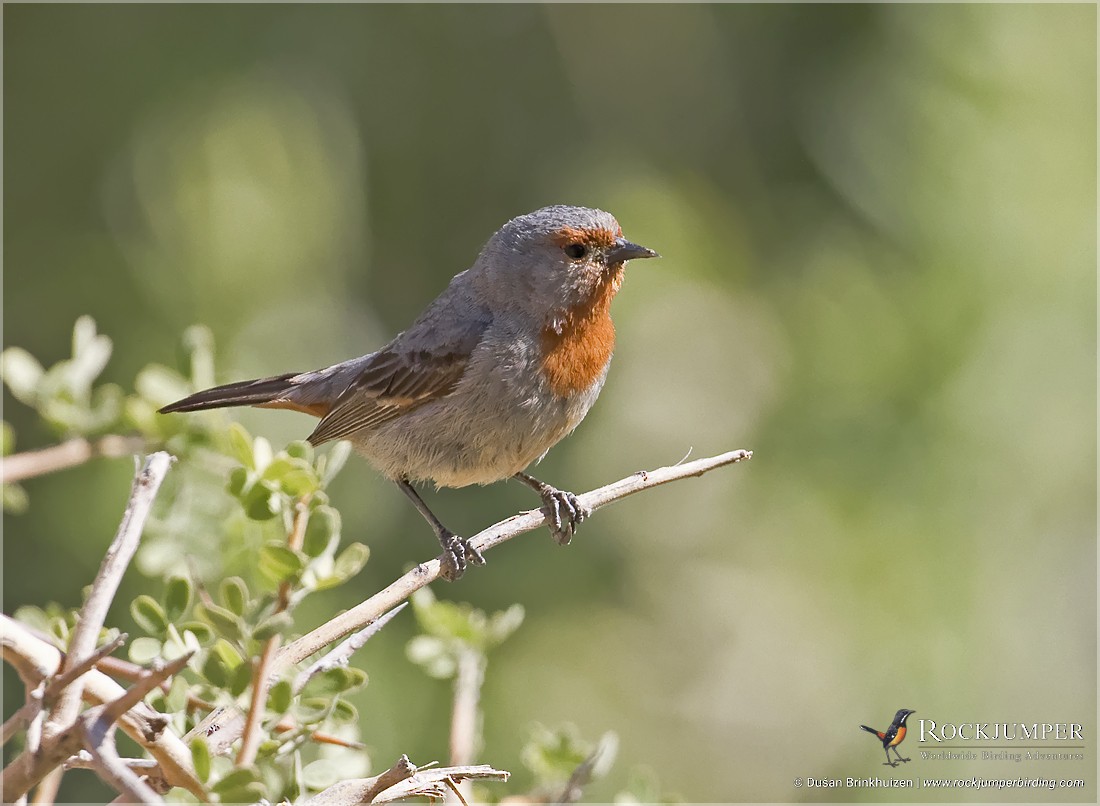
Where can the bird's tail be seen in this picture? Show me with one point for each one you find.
(263, 391)
(871, 730)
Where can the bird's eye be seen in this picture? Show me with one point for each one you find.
(576, 250)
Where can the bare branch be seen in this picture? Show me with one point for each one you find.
(26, 465)
(363, 790)
(251, 735)
(46, 791)
(119, 554)
(465, 719)
(341, 655)
(36, 659)
(434, 782)
(366, 612)
(100, 742)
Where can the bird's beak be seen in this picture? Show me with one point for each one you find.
(623, 250)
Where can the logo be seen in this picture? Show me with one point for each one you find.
(893, 735)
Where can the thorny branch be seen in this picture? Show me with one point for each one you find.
(73, 452)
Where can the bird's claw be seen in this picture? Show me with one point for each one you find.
(564, 512)
(458, 552)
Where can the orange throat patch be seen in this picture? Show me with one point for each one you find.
(576, 351)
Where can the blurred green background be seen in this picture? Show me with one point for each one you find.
(879, 235)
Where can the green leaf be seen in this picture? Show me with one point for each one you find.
(21, 373)
(237, 482)
(234, 779)
(240, 445)
(149, 615)
(200, 758)
(300, 449)
(7, 439)
(344, 711)
(233, 594)
(280, 696)
(223, 621)
(261, 453)
(143, 650)
(278, 563)
(321, 530)
(334, 461)
(334, 681)
(91, 352)
(239, 678)
(321, 774)
(202, 632)
(295, 477)
(553, 755)
(432, 655)
(503, 623)
(176, 699)
(311, 710)
(261, 502)
(276, 623)
(228, 654)
(351, 561)
(177, 597)
(16, 501)
(215, 671)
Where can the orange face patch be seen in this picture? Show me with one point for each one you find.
(575, 353)
(597, 237)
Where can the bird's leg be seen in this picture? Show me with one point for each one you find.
(888, 761)
(457, 551)
(562, 508)
(896, 753)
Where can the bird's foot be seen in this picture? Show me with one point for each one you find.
(564, 512)
(458, 552)
(891, 763)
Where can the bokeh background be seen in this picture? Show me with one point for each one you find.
(879, 235)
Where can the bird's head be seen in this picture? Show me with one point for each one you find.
(903, 715)
(556, 261)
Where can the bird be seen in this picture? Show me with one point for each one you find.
(501, 366)
(893, 736)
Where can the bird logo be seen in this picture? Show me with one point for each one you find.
(893, 735)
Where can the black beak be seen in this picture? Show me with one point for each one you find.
(623, 250)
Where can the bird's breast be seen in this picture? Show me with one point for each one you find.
(576, 345)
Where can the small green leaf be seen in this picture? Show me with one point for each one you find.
(300, 449)
(160, 385)
(149, 615)
(239, 679)
(7, 439)
(223, 621)
(295, 477)
(351, 561)
(334, 681)
(344, 711)
(240, 445)
(311, 710)
(323, 527)
(503, 623)
(334, 461)
(234, 595)
(177, 597)
(276, 623)
(215, 671)
(21, 373)
(261, 453)
(279, 697)
(261, 502)
(176, 699)
(16, 500)
(202, 632)
(144, 650)
(278, 563)
(228, 653)
(237, 482)
(237, 777)
(200, 758)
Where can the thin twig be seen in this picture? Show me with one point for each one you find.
(250, 741)
(369, 610)
(26, 465)
(54, 687)
(464, 714)
(341, 655)
(117, 558)
(37, 659)
(100, 742)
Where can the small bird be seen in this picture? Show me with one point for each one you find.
(894, 735)
(493, 373)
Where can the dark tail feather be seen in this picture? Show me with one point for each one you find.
(869, 730)
(242, 393)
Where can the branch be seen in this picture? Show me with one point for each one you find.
(366, 612)
(36, 659)
(26, 465)
(403, 780)
(94, 612)
(469, 676)
(223, 727)
(341, 655)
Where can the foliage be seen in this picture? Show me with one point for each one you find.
(271, 508)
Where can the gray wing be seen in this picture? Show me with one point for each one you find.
(422, 364)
